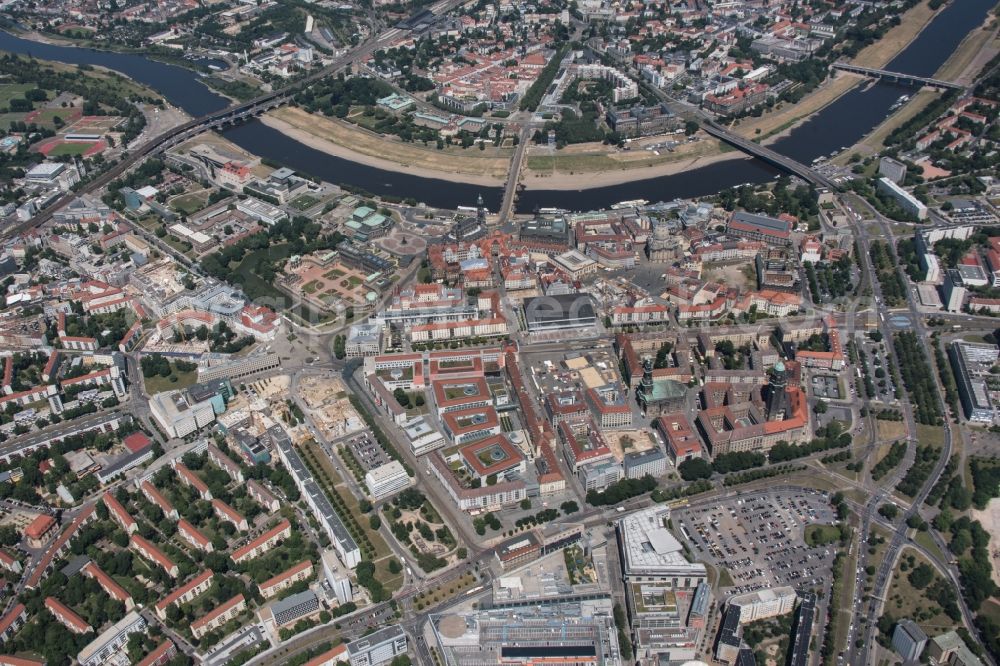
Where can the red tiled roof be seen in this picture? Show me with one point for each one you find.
(39, 526)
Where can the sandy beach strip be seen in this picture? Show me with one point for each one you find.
(534, 180)
(343, 152)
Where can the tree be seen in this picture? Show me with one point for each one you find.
(402, 397)
(889, 511)
(394, 566)
(820, 407)
(690, 127)
(921, 576)
(695, 468)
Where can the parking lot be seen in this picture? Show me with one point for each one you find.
(367, 450)
(758, 538)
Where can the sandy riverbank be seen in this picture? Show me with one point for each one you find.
(574, 168)
(340, 139)
(783, 119)
(583, 178)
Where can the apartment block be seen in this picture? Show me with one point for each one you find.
(218, 616)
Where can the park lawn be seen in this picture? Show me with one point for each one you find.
(9, 91)
(46, 117)
(820, 535)
(925, 540)
(159, 384)
(390, 581)
(725, 579)
(842, 615)
(927, 434)
(904, 600)
(70, 149)
(7, 118)
(990, 609)
(179, 244)
(891, 430)
(188, 204)
(356, 134)
(304, 202)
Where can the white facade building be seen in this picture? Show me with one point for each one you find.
(387, 479)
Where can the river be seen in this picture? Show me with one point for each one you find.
(840, 124)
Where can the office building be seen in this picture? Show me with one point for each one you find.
(387, 479)
(763, 604)
(908, 640)
(178, 414)
(773, 231)
(730, 639)
(649, 552)
(972, 363)
(295, 607)
(651, 462)
(378, 648)
(892, 169)
(803, 630)
(949, 648)
(559, 313)
(363, 340)
(953, 291)
(598, 476)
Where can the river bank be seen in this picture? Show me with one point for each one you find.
(963, 65)
(582, 167)
(340, 139)
(779, 122)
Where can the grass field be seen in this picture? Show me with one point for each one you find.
(188, 204)
(991, 609)
(160, 384)
(925, 540)
(595, 157)
(70, 149)
(46, 117)
(904, 600)
(9, 91)
(930, 434)
(819, 535)
(891, 429)
(304, 202)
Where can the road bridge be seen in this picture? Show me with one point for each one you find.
(514, 175)
(897, 77)
(764, 153)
